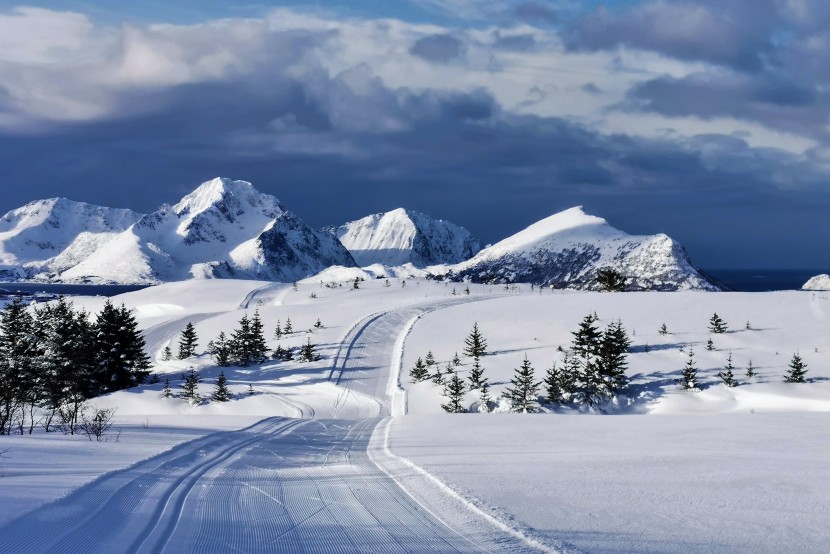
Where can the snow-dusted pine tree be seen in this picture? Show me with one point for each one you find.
(523, 394)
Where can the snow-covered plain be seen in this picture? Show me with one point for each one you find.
(741, 469)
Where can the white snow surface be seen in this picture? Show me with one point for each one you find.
(567, 248)
(401, 236)
(715, 470)
(819, 282)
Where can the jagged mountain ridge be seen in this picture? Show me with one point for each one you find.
(403, 236)
(223, 229)
(567, 249)
(46, 237)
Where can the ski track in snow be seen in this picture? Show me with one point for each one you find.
(281, 485)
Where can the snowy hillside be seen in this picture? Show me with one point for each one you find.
(222, 229)
(612, 484)
(566, 249)
(403, 236)
(819, 282)
(46, 237)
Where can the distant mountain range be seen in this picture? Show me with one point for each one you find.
(228, 229)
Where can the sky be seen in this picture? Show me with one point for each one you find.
(702, 119)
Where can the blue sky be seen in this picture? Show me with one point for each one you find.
(705, 120)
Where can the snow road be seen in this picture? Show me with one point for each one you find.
(281, 485)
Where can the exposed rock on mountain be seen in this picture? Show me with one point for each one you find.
(567, 249)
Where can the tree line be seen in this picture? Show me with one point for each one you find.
(53, 358)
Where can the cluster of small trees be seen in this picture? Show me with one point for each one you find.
(246, 345)
(54, 358)
(688, 380)
(593, 371)
(190, 388)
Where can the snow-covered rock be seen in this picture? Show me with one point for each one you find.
(567, 249)
(45, 237)
(819, 282)
(223, 229)
(404, 236)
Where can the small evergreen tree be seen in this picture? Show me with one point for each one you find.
(710, 345)
(318, 324)
(475, 345)
(220, 350)
(522, 395)
(797, 371)
(307, 353)
(612, 359)
(554, 389)
(121, 361)
(748, 326)
(484, 397)
(419, 371)
(166, 392)
(456, 361)
(610, 280)
(586, 339)
(166, 354)
(689, 379)
(750, 370)
(476, 374)
(356, 283)
(717, 325)
(288, 329)
(429, 360)
(190, 385)
(187, 342)
(727, 375)
(663, 330)
(240, 343)
(257, 345)
(220, 391)
(438, 376)
(454, 392)
(278, 331)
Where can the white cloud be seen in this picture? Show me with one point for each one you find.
(59, 67)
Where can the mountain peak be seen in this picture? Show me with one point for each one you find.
(567, 248)
(220, 190)
(402, 236)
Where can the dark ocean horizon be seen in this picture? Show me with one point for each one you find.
(761, 280)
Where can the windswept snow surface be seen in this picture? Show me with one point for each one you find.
(725, 470)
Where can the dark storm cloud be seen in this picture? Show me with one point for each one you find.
(455, 155)
(737, 33)
(771, 100)
(438, 48)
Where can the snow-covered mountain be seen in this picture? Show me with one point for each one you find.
(222, 229)
(404, 236)
(566, 249)
(46, 237)
(819, 282)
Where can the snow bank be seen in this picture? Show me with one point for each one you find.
(819, 282)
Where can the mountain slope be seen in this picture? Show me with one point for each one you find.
(403, 236)
(224, 228)
(48, 236)
(566, 249)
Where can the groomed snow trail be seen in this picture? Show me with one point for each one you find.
(281, 485)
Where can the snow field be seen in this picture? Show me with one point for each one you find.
(715, 470)
(535, 325)
(683, 483)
